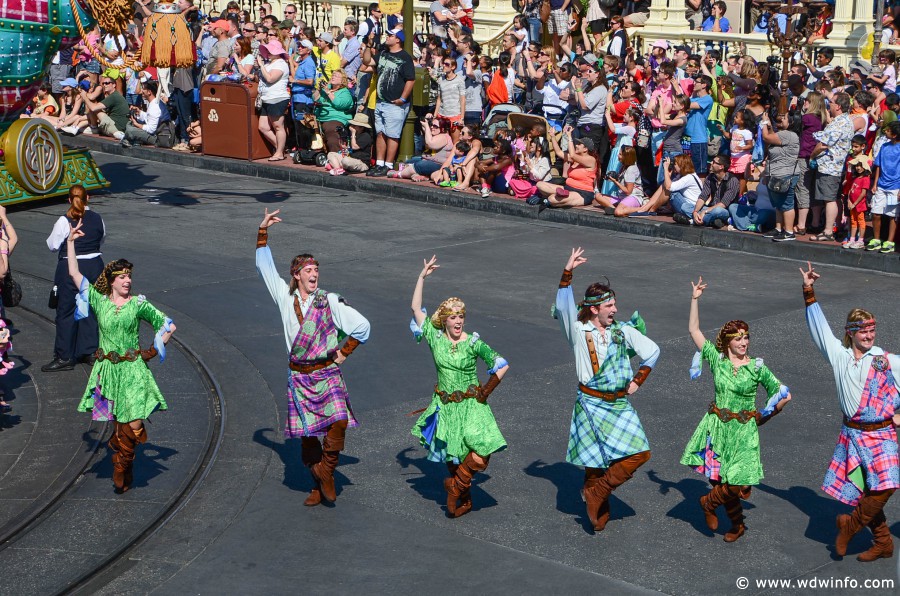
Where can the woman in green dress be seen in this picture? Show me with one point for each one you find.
(725, 446)
(458, 427)
(121, 387)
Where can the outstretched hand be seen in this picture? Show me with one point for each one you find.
(75, 231)
(270, 219)
(575, 259)
(809, 275)
(429, 267)
(698, 288)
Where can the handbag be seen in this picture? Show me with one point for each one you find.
(11, 292)
(545, 10)
(522, 188)
(53, 300)
(783, 184)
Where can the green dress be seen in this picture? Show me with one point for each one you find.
(729, 452)
(465, 426)
(129, 385)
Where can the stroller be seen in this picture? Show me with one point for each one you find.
(497, 119)
(309, 139)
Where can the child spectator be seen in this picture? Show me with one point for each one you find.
(886, 183)
(888, 77)
(629, 196)
(495, 174)
(859, 176)
(520, 31)
(716, 22)
(452, 174)
(741, 137)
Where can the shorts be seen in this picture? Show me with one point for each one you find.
(426, 167)
(275, 110)
(558, 23)
(390, 118)
(629, 201)
(700, 157)
(639, 19)
(587, 195)
(827, 187)
(500, 185)
(474, 118)
(92, 66)
(783, 201)
(58, 73)
(884, 202)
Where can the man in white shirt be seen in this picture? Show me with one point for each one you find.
(143, 125)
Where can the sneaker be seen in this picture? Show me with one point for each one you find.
(887, 248)
(750, 227)
(328, 167)
(682, 219)
(70, 130)
(857, 245)
(454, 184)
(785, 237)
(181, 147)
(719, 223)
(118, 135)
(125, 143)
(445, 184)
(380, 171)
(874, 244)
(772, 233)
(847, 243)
(485, 192)
(372, 171)
(336, 171)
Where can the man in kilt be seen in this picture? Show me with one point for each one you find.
(315, 321)
(865, 468)
(606, 436)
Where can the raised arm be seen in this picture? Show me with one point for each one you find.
(565, 309)
(428, 268)
(819, 329)
(74, 233)
(277, 287)
(694, 317)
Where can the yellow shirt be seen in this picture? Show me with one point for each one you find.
(328, 63)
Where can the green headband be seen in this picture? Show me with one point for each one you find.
(598, 300)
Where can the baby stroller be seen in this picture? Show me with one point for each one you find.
(496, 119)
(308, 137)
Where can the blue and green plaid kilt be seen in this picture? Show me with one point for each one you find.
(603, 432)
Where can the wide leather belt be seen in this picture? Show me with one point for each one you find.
(867, 426)
(605, 396)
(473, 392)
(726, 415)
(309, 367)
(130, 355)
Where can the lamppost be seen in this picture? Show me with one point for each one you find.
(801, 22)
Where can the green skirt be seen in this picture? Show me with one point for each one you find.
(130, 385)
(735, 451)
(451, 431)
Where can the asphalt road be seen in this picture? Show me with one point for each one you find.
(191, 235)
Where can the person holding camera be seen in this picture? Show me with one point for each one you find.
(334, 108)
(273, 89)
(438, 146)
(589, 95)
(624, 137)
(356, 153)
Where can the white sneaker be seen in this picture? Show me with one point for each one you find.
(118, 135)
(858, 245)
(71, 130)
(485, 192)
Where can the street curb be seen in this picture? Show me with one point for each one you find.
(701, 236)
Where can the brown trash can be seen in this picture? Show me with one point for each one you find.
(229, 123)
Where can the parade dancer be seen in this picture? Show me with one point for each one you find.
(606, 436)
(865, 469)
(314, 321)
(458, 427)
(725, 446)
(121, 387)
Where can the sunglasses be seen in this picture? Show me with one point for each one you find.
(271, 34)
(249, 30)
(290, 12)
(106, 83)
(451, 64)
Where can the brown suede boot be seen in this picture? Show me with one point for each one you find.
(465, 498)
(883, 547)
(735, 512)
(594, 503)
(324, 470)
(461, 483)
(124, 442)
(868, 507)
(618, 474)
(717, 496)
(311, 454)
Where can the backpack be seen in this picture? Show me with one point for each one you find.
(497, 92)
(644, 132)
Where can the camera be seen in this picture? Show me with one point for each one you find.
(612, 176)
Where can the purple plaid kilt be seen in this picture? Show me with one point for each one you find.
(869, 455)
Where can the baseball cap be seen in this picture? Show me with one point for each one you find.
(661, 43)
(399, 34)
(286, 24)
(306, 44)
(222, 24)
(326, 37)
(684, 49)
(69, 82)
(587, 142)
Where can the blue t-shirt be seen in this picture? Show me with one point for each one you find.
(302, 94)
(723, 23)
(696, 121)
(888, 161)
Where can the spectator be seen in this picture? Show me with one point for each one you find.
(814, 115)
(720, 190)
(860, 176)
(495, 174)
(109, 116)
(43, 104)
(396, 77)
(701, 106)
(248, 32)
(693, 13)
(69, 105)
(532, 166)
(438, 146)
(329, 60)
(673, 130)
(350, 58)
(451, 101)
(474, 87)
(335, 109)
(597, 18)
(75, 340)
(222, 49)
(628, 196)
(60, 70)
(683, 186)
(581, 174)
(357, 155)
(717, 22)
(302, 80)
(183, 98)
(784, 161)
(830, 153)
(469, 134)
(639, 15)
(625, 133)
(440, 18)
(888, 78)
(558, 24)
(618, 42)
(244, 61)
(589, 96)
(150, 126)
(371, 29)
(741, 146)
(273, 77)
(886, 181)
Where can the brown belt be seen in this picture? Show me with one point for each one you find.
(473, 392)
(601, 394)
(307, 368)
(130, 355)
(868, 426)
(726, 415)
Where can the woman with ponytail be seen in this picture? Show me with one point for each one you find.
(75, 340)
(120, 388)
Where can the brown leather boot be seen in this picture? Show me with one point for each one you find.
(593, 500)
(716, 497)
(465, 498)
(324, 470)
(869, 506)
(124, 441)
(870, 513)
(883, 546)
(620, 472)
(311, 454)
(735, 512)
(461, 483)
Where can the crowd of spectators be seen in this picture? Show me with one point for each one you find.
(693, 133)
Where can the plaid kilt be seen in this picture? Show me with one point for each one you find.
(315, 402)
(603, 432)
